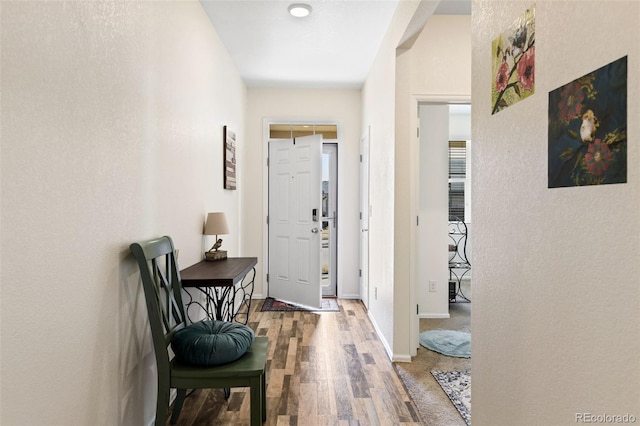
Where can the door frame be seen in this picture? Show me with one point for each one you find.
(365, 212)
(331, 149)
(265, 180)
(414, 123)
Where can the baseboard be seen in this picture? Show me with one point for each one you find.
(434, 316)
(392, 357)
(387, 348)
(349, 296)
(401, 358)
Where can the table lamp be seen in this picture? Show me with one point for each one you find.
(216, 225)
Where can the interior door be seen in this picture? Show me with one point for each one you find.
(295, 220)
(365, 211)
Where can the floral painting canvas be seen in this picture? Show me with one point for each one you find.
(514, 63)
(588, 129)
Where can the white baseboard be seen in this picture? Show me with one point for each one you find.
(349, 296)
(392, 357)
(401, 358)
(434, 316)
(387, 348)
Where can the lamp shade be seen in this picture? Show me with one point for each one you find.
(216, 224)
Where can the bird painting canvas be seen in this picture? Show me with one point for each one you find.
(588, 129)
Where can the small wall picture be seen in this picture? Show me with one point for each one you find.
(229, 159)
(513, 62)
(588, 129)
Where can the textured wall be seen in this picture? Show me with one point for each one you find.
(112, 116)
(556, 318)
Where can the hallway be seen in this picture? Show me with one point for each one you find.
(325, 368)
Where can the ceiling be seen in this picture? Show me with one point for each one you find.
(333, 47)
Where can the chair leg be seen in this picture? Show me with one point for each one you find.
(177, 405)
(256, 401)
(263, 391)
(162, 406)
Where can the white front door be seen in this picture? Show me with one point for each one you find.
(295, 220)
(364, 220)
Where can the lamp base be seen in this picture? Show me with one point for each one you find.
(215, 255)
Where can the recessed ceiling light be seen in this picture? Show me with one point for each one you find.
(300, 10)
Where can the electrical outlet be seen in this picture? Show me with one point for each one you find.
(433, 286)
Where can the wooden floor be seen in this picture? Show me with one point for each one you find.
(325, 368)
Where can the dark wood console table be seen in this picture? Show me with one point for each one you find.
(227, 286)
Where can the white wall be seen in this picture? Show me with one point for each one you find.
(434, 69)
(378, 112)
(433, 209)
(436, 64)
(441, 57)
(438, 125)
(343, 106)
(112, 118)
(556, 300)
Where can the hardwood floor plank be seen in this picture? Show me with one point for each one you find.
(325, 368)
(308, 407)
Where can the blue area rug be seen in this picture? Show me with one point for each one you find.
(447, 342)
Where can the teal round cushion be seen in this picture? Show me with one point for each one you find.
(209, 343)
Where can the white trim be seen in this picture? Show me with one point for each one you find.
(387, 348)
(350, 296)
(434, 316)
(414, 123)
(444, 99)
(392, 357)
(401, 358)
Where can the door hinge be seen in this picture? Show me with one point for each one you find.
(360, 215)
(361, 158)
(267, 277)
(418, 132)
(360, 273)
(417, 220)
(267, 161)
(417, 310)
(267, 219)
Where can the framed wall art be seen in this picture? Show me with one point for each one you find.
(513, 63)
(229, 138)
(588, 128)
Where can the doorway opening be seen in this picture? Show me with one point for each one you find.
(329, 249)
(445, 236)
(328, 185)
(443, 251)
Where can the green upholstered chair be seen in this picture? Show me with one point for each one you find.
(162, 288)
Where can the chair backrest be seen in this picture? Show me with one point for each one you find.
(163, 292)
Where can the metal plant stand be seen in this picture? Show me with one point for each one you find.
(459, 265)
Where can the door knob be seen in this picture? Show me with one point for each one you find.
(314, 230)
